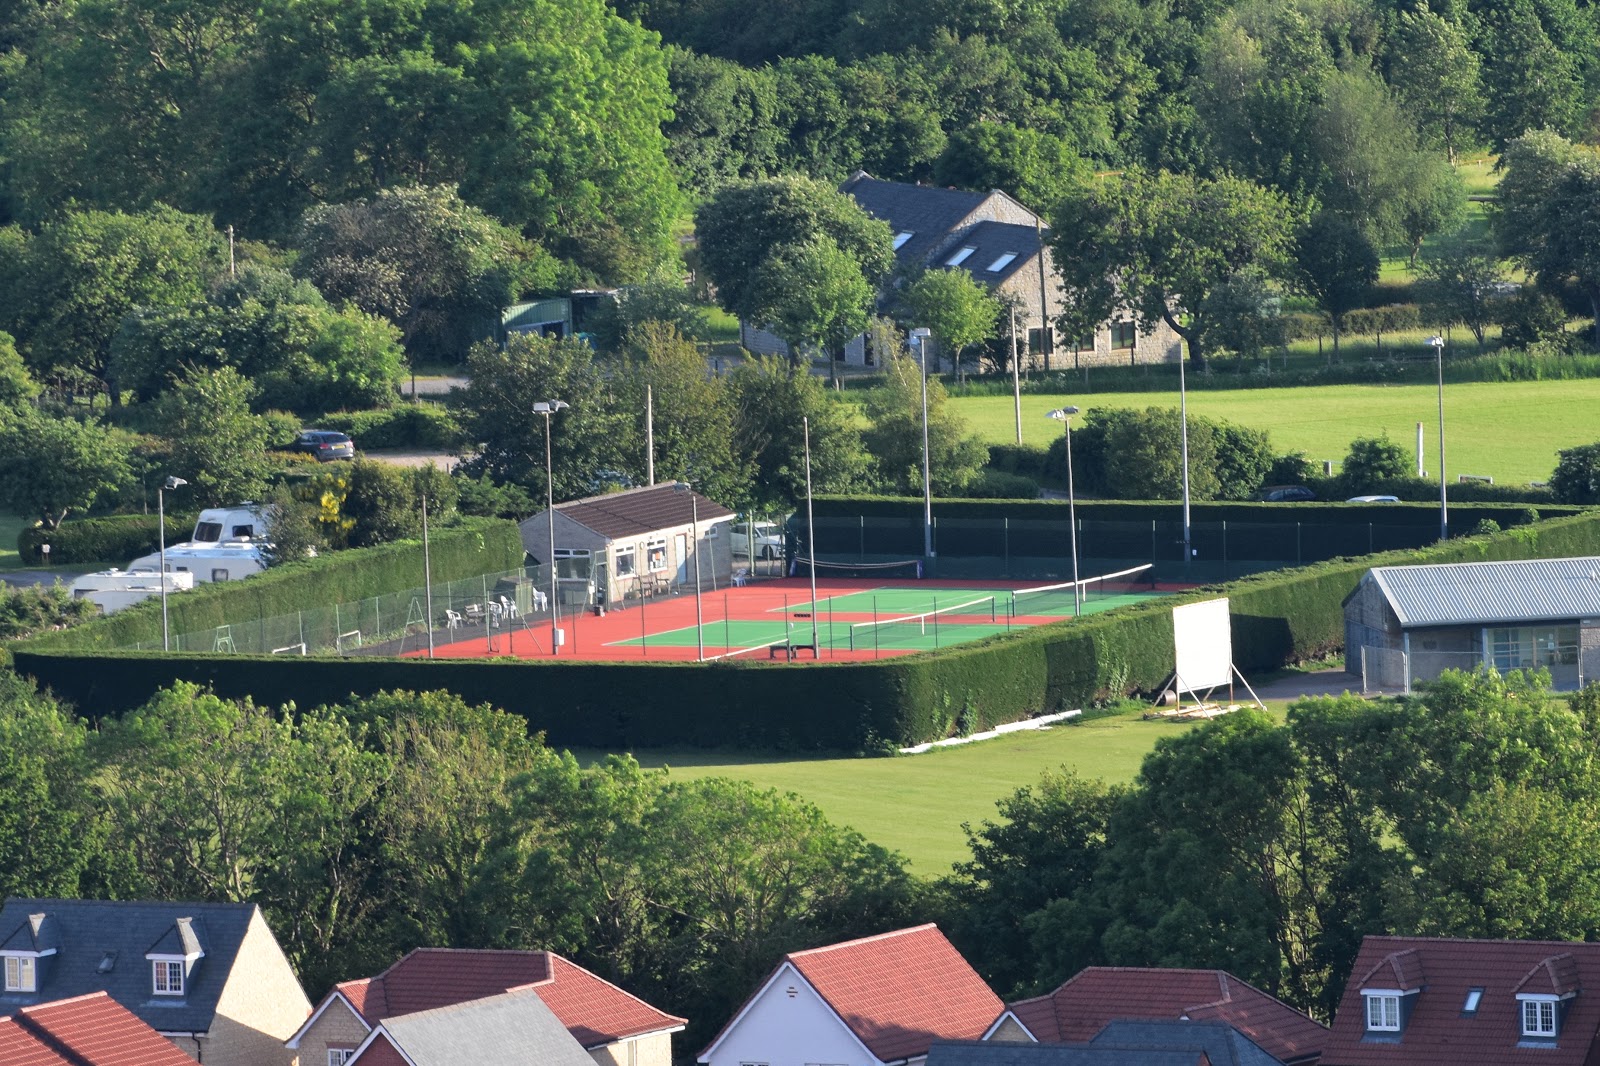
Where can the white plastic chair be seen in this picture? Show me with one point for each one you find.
(452, 620)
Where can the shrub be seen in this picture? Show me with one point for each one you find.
(1531, 317)
(114, 540)
(999, 485)
(1576, 478)
(405, 425)
(1372, 463)
(26, 611)
(483, 496)
(1029, 460)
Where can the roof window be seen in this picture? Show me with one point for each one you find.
(1471, 1005)
(1003, 262)
(960, 256)
(901, 238)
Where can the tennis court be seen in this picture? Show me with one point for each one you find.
(851, 618)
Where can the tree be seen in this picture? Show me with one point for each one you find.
(217, 444)
(1438, 78)
(1531, 82)
(1576, 478)
(661, 297)
(759, 240)
(1367, 150)
(59, 465)
(1158, 244)
(1034, 166)
(895, 436)
(771, 400)
(48, 827)
(296, 532)
(1338, 266)
(17, 386)
(1461, 282)
(1144, 457)
(1372, 463)
(958, 310)
(1434, 201)
(1550, 212)
(593, 434)
(72, 283)
(421, 257)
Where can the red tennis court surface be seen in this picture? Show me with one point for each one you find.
(855, 619)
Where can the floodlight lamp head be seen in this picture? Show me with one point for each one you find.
(549, 407)
(1061, 414)
(920, 333)
(1436, 341)
(173, 482)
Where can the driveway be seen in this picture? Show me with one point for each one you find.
(443, 460)
(1316, 683)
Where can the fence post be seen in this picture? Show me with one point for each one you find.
(1005, 540)
(861, 527)
(1224, 549)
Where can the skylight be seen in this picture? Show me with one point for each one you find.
(960, 257)
(1003, 262)
(1473, 996)
(902, 237)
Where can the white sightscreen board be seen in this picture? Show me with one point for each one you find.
(1203, 640)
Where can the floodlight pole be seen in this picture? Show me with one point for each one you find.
(919, 337)
(427, 573)
(1064, 415)
(694, 538)
(161, 520)
(1444, 505)
(548, 408)
(1183, 432)
(1016, 375)
(811, 536)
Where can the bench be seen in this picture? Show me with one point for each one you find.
(791, 651)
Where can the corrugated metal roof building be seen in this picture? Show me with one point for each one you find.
(1405, 624)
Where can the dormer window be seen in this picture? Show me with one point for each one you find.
(22, 974)
(1539, 1016)
(168, 977)
(960, 256)
(1383, 1012)
(901, 238)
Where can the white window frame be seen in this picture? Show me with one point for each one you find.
(901, 238)
(338, 1056)
(1002, 262)
(1388, 1011)
(166, 977)
(655, 556)
(1541, 1016)
(22, 973)
(960, 256)
(630, 554)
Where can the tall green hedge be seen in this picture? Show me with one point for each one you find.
(1277, 618)
(475, 546)
(115, 540)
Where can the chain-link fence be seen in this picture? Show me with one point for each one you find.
(1391, 670)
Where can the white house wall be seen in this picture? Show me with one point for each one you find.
(789, 1025)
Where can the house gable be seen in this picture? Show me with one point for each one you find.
(377, 1050)
(787, 1023)
(334, 1014)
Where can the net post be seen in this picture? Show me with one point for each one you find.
(877, 647)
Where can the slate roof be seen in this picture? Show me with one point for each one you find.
(635, 512)
(595, 1011)
(990, 241)
(89, 1030)
(1439, 1033)
(1223, 1044)
(511, 1029)
(1518, 591)
(1082, 1006)
(897, 992)
(89, 932)
(927, 212)
(1009, 1054)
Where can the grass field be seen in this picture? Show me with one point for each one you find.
(915, 804)
(1509, 431)
(10, 526)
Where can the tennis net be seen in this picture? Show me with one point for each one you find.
(922, 630)
(800, 566)
(1058, 599)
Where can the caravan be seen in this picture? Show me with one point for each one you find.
(115, 589)
(226, 545)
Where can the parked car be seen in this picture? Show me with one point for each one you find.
(325, 444)
(1373, 499)
(1285, 494)
(768, 539)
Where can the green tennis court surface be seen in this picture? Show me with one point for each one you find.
(887, 602)
(891, 634)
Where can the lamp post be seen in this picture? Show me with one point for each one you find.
(161, 521)
(1444, 505)
(1064, 414)
(919, 337)
(548, 408)
(694, 539)
(1183, 432)
(811, 540)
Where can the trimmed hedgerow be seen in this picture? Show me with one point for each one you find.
(405, 425)
(116, 539)
(1278, 618)
(475, 546)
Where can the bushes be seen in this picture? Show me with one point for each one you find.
(1028, 460)
(405, 425)
(115, 540)
(997, 485)
(475, 546)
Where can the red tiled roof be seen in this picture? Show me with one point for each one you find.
(1085, 1004)
(379, 1053)
(899, 992)
(92, 1030)
(1399, 970)
(594, 1010)
(1438, 1033)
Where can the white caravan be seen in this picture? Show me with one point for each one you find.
(226, 545)
(115, 589)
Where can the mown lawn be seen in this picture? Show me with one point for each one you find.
(1509, 431)
(916, 804)
(10, 526)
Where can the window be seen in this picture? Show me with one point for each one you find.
(1383, 1014)
(1003, 262)
(338, 1056)
(1084, 343)
(574, 563)
(1474, 995)
(960, 256)
(1539, 1017)
(625, 561)
(208, 532)
(219, 574)
(168, 978)
(901, 238)
(1526, 647)
(1123, 336)
(655, 555)
(20, 974)
(1040, 341)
